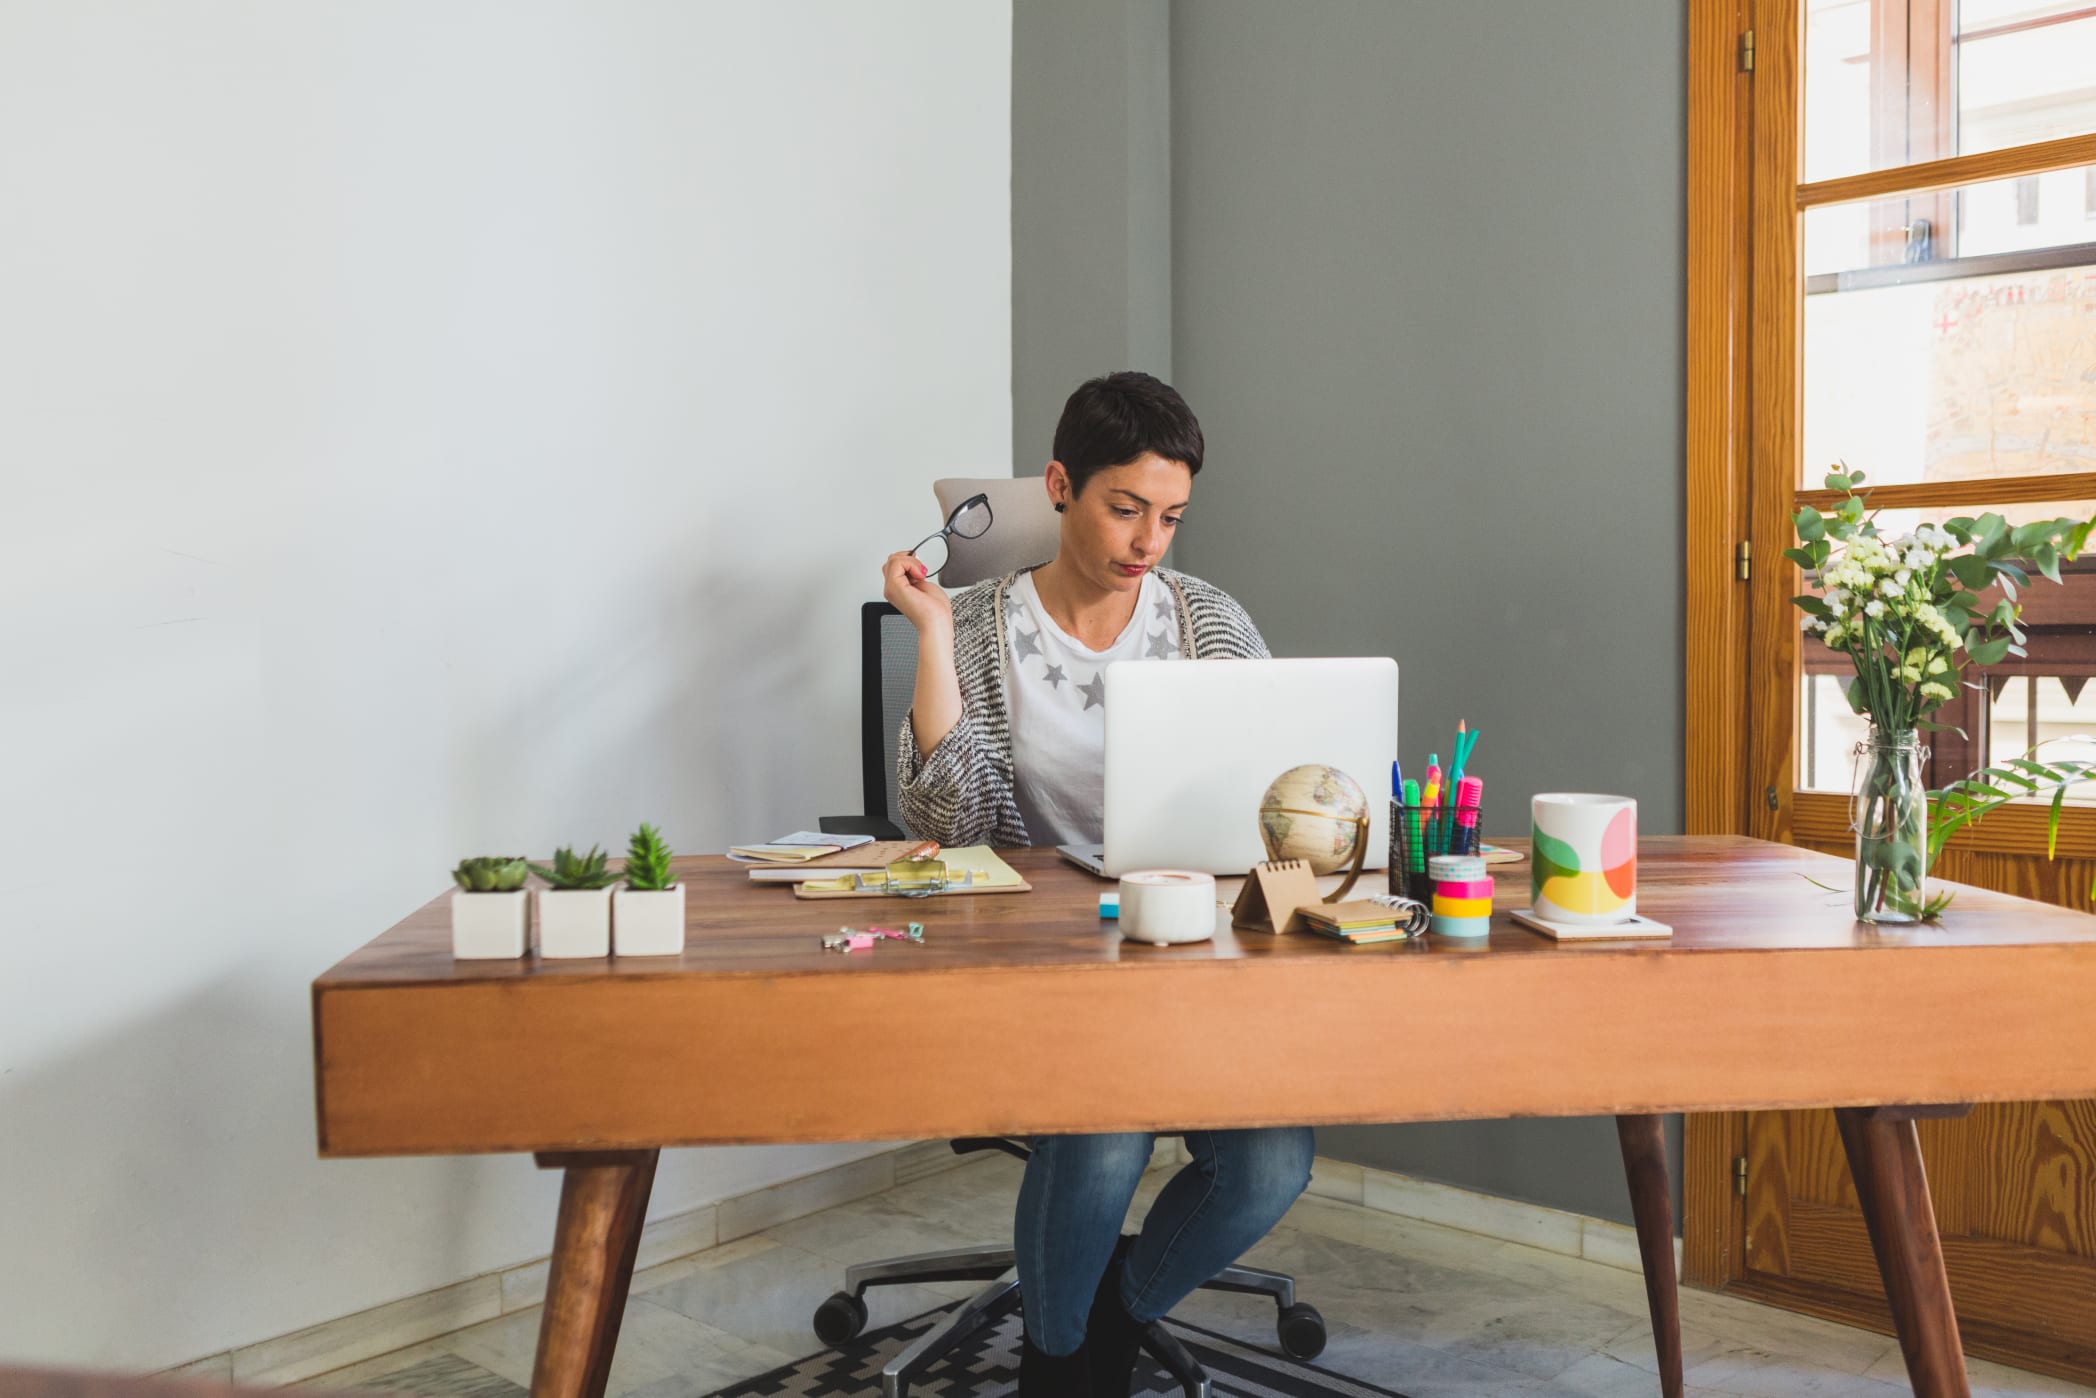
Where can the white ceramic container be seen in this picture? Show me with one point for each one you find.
(574, 922)
(488, 926)
(648, 922)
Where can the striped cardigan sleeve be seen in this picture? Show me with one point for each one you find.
(962, 793)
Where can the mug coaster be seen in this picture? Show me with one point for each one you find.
(1626, 930)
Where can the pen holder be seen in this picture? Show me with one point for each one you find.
(1418, 833)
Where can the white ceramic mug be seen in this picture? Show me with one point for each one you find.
(1584, 859)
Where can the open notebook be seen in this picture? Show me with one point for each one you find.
(985, 873)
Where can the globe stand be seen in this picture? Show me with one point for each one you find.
(1353, 875)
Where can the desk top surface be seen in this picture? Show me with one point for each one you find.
(1719, 893)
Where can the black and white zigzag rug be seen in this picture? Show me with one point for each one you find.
(987, 1364)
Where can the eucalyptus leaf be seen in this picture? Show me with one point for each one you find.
(1989, 652)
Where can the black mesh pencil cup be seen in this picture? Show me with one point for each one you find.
(1418, 833)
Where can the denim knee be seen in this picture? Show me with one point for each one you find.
(1278, 1159)
(1113, 1155)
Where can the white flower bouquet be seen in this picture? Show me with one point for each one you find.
(1911, 611)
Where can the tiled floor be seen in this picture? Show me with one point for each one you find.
(1426, 1310)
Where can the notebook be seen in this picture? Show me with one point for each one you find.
(986, 874)
(870, 858)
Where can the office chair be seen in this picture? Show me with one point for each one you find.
(1025, 524)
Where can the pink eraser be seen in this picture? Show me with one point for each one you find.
(859, 941)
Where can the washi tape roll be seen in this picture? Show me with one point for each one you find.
(1445, 906)
(1464, 888)
(1455, 868)
(1167, 906)
(1462, 926)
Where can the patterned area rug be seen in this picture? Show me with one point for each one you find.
(987, 1363)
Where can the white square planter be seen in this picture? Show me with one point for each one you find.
(574, 922)
(485, 926)
(648, 922)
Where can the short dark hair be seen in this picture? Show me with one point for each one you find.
(1113, 419)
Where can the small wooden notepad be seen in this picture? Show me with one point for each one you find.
(1274, 895)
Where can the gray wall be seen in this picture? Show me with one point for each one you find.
(1091, 204)
(1427, 299)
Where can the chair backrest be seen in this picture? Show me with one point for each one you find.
(1024, 528)
(887, 684)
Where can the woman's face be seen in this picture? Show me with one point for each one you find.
(1119, 526)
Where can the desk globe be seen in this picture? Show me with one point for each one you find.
(1317, 814)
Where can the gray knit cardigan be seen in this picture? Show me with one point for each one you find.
(963, 794)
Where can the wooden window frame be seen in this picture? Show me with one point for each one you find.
(1743, 404)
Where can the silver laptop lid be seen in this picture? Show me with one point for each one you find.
(1192, 745)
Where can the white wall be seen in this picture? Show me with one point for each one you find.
(427, 429)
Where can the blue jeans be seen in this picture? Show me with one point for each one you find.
(1076, 1196)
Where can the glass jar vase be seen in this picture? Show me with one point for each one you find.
(1890, 815)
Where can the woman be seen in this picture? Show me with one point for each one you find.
(1003, 746)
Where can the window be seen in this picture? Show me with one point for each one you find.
(1946, 334)
(1893, 266)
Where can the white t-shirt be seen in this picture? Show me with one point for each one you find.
(1058, 703)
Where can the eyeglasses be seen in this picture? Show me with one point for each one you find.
(970, 520)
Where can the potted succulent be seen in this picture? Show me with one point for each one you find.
(647, 913)
(575, 909)
(489, 916)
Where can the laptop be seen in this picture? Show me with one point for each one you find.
(1192, 745)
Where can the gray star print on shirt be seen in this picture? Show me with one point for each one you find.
(1026, 643)
(1095, 692)
(1164, 609)
(1055, 677)
(1161, 647)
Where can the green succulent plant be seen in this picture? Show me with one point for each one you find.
(572, 870)
(648, 861)
(491, 873)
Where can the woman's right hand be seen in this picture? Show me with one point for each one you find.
(916, 596)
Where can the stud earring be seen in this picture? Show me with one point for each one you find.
(1058, 507)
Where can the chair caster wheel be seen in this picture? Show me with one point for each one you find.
(842, 1316)
(1302, 1331)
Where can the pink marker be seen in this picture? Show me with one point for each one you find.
(1470, 794)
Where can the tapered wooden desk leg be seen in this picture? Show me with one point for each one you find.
(1644, 1140)
(1884, 1153)
(603, 1202)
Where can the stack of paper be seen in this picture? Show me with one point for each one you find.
(797, 848)
(1359, 921)
(871, 858)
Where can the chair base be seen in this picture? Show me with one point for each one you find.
(843, 1315)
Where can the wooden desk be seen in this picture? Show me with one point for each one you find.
(1021, 1015)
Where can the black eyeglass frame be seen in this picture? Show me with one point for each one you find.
(951, 530)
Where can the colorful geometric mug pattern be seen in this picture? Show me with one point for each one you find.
(1596, 892)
